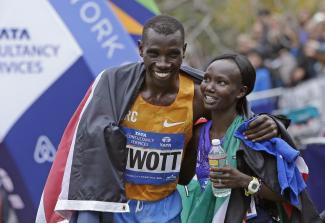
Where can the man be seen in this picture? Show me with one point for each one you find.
(128, 136)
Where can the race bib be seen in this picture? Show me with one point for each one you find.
(153, 158)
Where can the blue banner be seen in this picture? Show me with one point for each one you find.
(48, 59)
(103, 40)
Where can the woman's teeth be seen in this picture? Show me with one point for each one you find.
(209, 99)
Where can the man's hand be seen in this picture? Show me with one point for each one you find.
(262, 127)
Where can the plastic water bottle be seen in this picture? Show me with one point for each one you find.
(218, 158)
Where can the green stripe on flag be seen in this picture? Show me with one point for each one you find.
(150, 5)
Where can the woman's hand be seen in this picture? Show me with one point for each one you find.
(228, 177)
(261, 128)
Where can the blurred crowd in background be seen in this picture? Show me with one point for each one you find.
(290, 51)
(285, 41)
(289, 55)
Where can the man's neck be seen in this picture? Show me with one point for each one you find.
(160, 94)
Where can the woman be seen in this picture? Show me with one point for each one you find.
(251, 174)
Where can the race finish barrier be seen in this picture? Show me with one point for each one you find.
(49, 56)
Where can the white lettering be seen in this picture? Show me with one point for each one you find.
(140, 138)
(6, 181)
(134, 116)
(15, 199)
(140, 134)
(103, 28)
(131, 116)
(90, 12)
(72, 2)
(166, 145)
(138, 143)
(112, 45)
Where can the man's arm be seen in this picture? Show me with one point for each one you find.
(266, 126)
(187, 170)
(188, 166)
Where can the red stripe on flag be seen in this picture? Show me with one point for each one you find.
(305, 176)
(303, 169)
(53, 184)
(288, 209)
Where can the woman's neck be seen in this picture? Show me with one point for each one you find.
(221, 122)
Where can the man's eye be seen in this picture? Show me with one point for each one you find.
(222, 83)
(152, 54)
(174, 55)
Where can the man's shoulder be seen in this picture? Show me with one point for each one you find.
(135, 67)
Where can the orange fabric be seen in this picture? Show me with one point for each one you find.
(147, 117)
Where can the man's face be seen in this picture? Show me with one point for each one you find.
(162, 55)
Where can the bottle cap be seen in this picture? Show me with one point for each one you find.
(215, 142)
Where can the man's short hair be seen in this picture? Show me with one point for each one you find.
(163, 24)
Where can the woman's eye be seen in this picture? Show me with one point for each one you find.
(205, 79)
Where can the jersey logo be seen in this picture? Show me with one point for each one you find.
(167, 124)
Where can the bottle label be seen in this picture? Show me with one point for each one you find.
(219, 162)
(213, 162)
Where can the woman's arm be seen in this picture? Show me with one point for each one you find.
(228, 177)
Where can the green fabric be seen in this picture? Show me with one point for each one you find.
(198, 206)
(201, 206)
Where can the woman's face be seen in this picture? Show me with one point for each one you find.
(222, 86)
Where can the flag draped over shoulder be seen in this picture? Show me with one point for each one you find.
(288, 173)
(87, 173)
(288, 178)
(52, 187)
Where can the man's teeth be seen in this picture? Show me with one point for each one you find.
(162, 74)
(209, 99)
